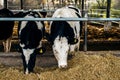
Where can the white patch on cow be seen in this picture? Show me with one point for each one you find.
(22, 45)
(39, 24)
(27, 53)
(65, 12)
(23, 23)
(60, 49)
(76, 8)
(40, 44)
(26, 72)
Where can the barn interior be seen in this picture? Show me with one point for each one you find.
(101, 61)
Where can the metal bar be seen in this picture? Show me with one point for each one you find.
(82, 8)
(108, 8)
(39, 10)
(5, 4)
(21, 4)
(85, 37)
(59, 19)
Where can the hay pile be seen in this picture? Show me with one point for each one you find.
(82, 66)
(99, 33)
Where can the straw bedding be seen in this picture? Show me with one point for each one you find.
(82, 66)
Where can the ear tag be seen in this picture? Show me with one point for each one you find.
(41, 51)
(75, 40)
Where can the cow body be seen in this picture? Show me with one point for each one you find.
(30, 35)
(65, 35)
(6, 29)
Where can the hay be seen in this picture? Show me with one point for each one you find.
(103, 66)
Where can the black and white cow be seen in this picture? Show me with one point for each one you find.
(65, 35)
(30, 36)
(6, 28)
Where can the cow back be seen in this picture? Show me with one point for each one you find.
(6, 27)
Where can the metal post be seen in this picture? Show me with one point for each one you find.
(85, 33)
(85, 25)
(21, 4)
(119, 24)
(107, 25)
(108, 8)
(5, 3)
(82, 8)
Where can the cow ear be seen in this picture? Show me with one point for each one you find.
(73, 41)
(44, 13)
(19, 49)
(40, 51)
(20, 14)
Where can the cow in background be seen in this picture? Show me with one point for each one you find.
(65, 35)
(6, 28)
(30, 36)
(1, 4)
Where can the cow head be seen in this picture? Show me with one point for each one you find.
(60, 50)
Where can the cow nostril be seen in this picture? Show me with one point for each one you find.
(63, 66)
(26, 72)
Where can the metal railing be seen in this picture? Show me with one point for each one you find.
(59, 19)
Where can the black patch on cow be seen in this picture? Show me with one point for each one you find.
(61, 29)
(74, 9)
(31, 35)
(6, 13)
(43, 14)
(35, 14)
(21, 14)
(6, 27)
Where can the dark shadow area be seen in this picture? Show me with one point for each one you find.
(101, 45)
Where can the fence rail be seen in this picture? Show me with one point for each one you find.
(59, 19)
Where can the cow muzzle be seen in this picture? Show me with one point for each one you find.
(62, 64)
